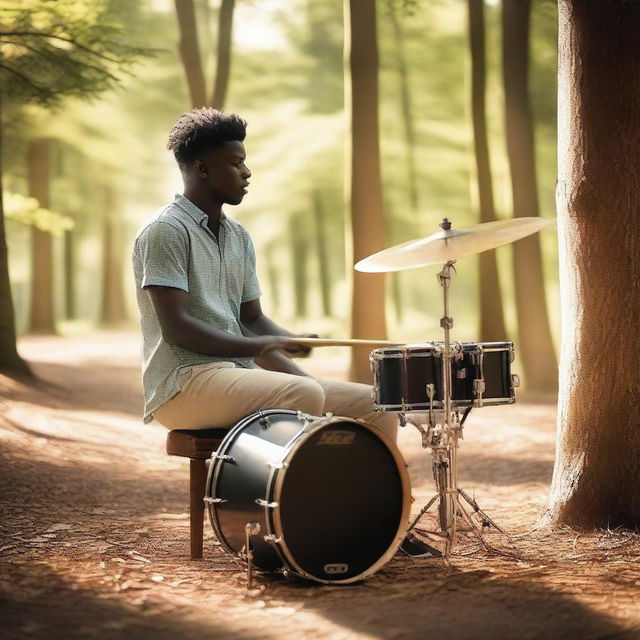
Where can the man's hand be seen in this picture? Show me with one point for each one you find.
(305, 351)
(267, 344)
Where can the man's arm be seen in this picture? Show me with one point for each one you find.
(255, 322)
(179, 327)
(254, 319)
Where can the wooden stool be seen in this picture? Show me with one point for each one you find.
(197, 445)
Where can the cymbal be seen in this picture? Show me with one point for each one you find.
(451, 244)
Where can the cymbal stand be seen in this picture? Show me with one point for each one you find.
(443, 439)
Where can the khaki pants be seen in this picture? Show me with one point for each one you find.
(219, 395)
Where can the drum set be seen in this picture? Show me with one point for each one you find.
(328, 498)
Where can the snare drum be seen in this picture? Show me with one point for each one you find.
(330, 496)
(405, 376)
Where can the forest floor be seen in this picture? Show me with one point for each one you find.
(94, 530)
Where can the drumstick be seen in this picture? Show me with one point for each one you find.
(326, 342)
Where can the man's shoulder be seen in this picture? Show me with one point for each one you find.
(166, 219)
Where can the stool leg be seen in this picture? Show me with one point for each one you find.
(197, 481)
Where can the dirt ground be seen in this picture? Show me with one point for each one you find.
(94, 530)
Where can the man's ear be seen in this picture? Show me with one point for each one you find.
(200, 168)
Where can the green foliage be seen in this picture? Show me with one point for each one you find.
(27, 211)
(53, 48)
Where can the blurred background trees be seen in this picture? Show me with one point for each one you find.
(283, 60)
(49, 50)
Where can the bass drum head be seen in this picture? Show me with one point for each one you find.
(343, 502)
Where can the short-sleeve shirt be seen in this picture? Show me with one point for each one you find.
(175, 248)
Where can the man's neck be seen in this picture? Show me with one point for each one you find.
(212, 208)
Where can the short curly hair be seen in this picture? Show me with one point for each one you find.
(203, 129)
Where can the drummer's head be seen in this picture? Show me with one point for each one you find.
(208, 147)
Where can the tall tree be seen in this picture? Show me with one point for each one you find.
(535, 341)
(191, 55)
(595, 479)
(364, 181)
(49, 50)
(10, 360)
(408, 126)
(406, 108)
(320, 235)
(492, 325)
(41, 317)
(299, 246)
(113, 308)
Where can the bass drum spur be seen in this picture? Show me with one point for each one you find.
(326, 498)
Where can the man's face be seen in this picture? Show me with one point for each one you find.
(227, 175)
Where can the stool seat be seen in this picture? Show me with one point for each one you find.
(197, 445)
(194, 443)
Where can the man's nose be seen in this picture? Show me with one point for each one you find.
(247, 172)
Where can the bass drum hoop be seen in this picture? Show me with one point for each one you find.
(276, 484)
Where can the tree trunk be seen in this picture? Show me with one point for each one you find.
(223, 57)
(323, 258)
(41, 319)
(113, 309)
(69, 276)
(491, 314)
(595, 479)
(190, 52)
(10, 362)
(535, 343)
(364, 181)
(406, 109)
(298, 240)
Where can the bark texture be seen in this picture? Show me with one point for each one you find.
(364, 182)
(10, 360)
(535, 344)
(41, 318)
(595, 479)
(492, 325)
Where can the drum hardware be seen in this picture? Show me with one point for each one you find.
(431, 393)
(265, 503)
(250, 529)
(277, 465)
(479, 386)
(271, 538)
(442, 437)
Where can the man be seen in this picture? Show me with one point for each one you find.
(210, 354)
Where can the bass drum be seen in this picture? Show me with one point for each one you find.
(331, 495)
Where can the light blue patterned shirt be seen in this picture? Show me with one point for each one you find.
(175, 248)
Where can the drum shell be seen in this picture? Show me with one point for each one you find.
(246, 477)
(401, 375)
(266, 465)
